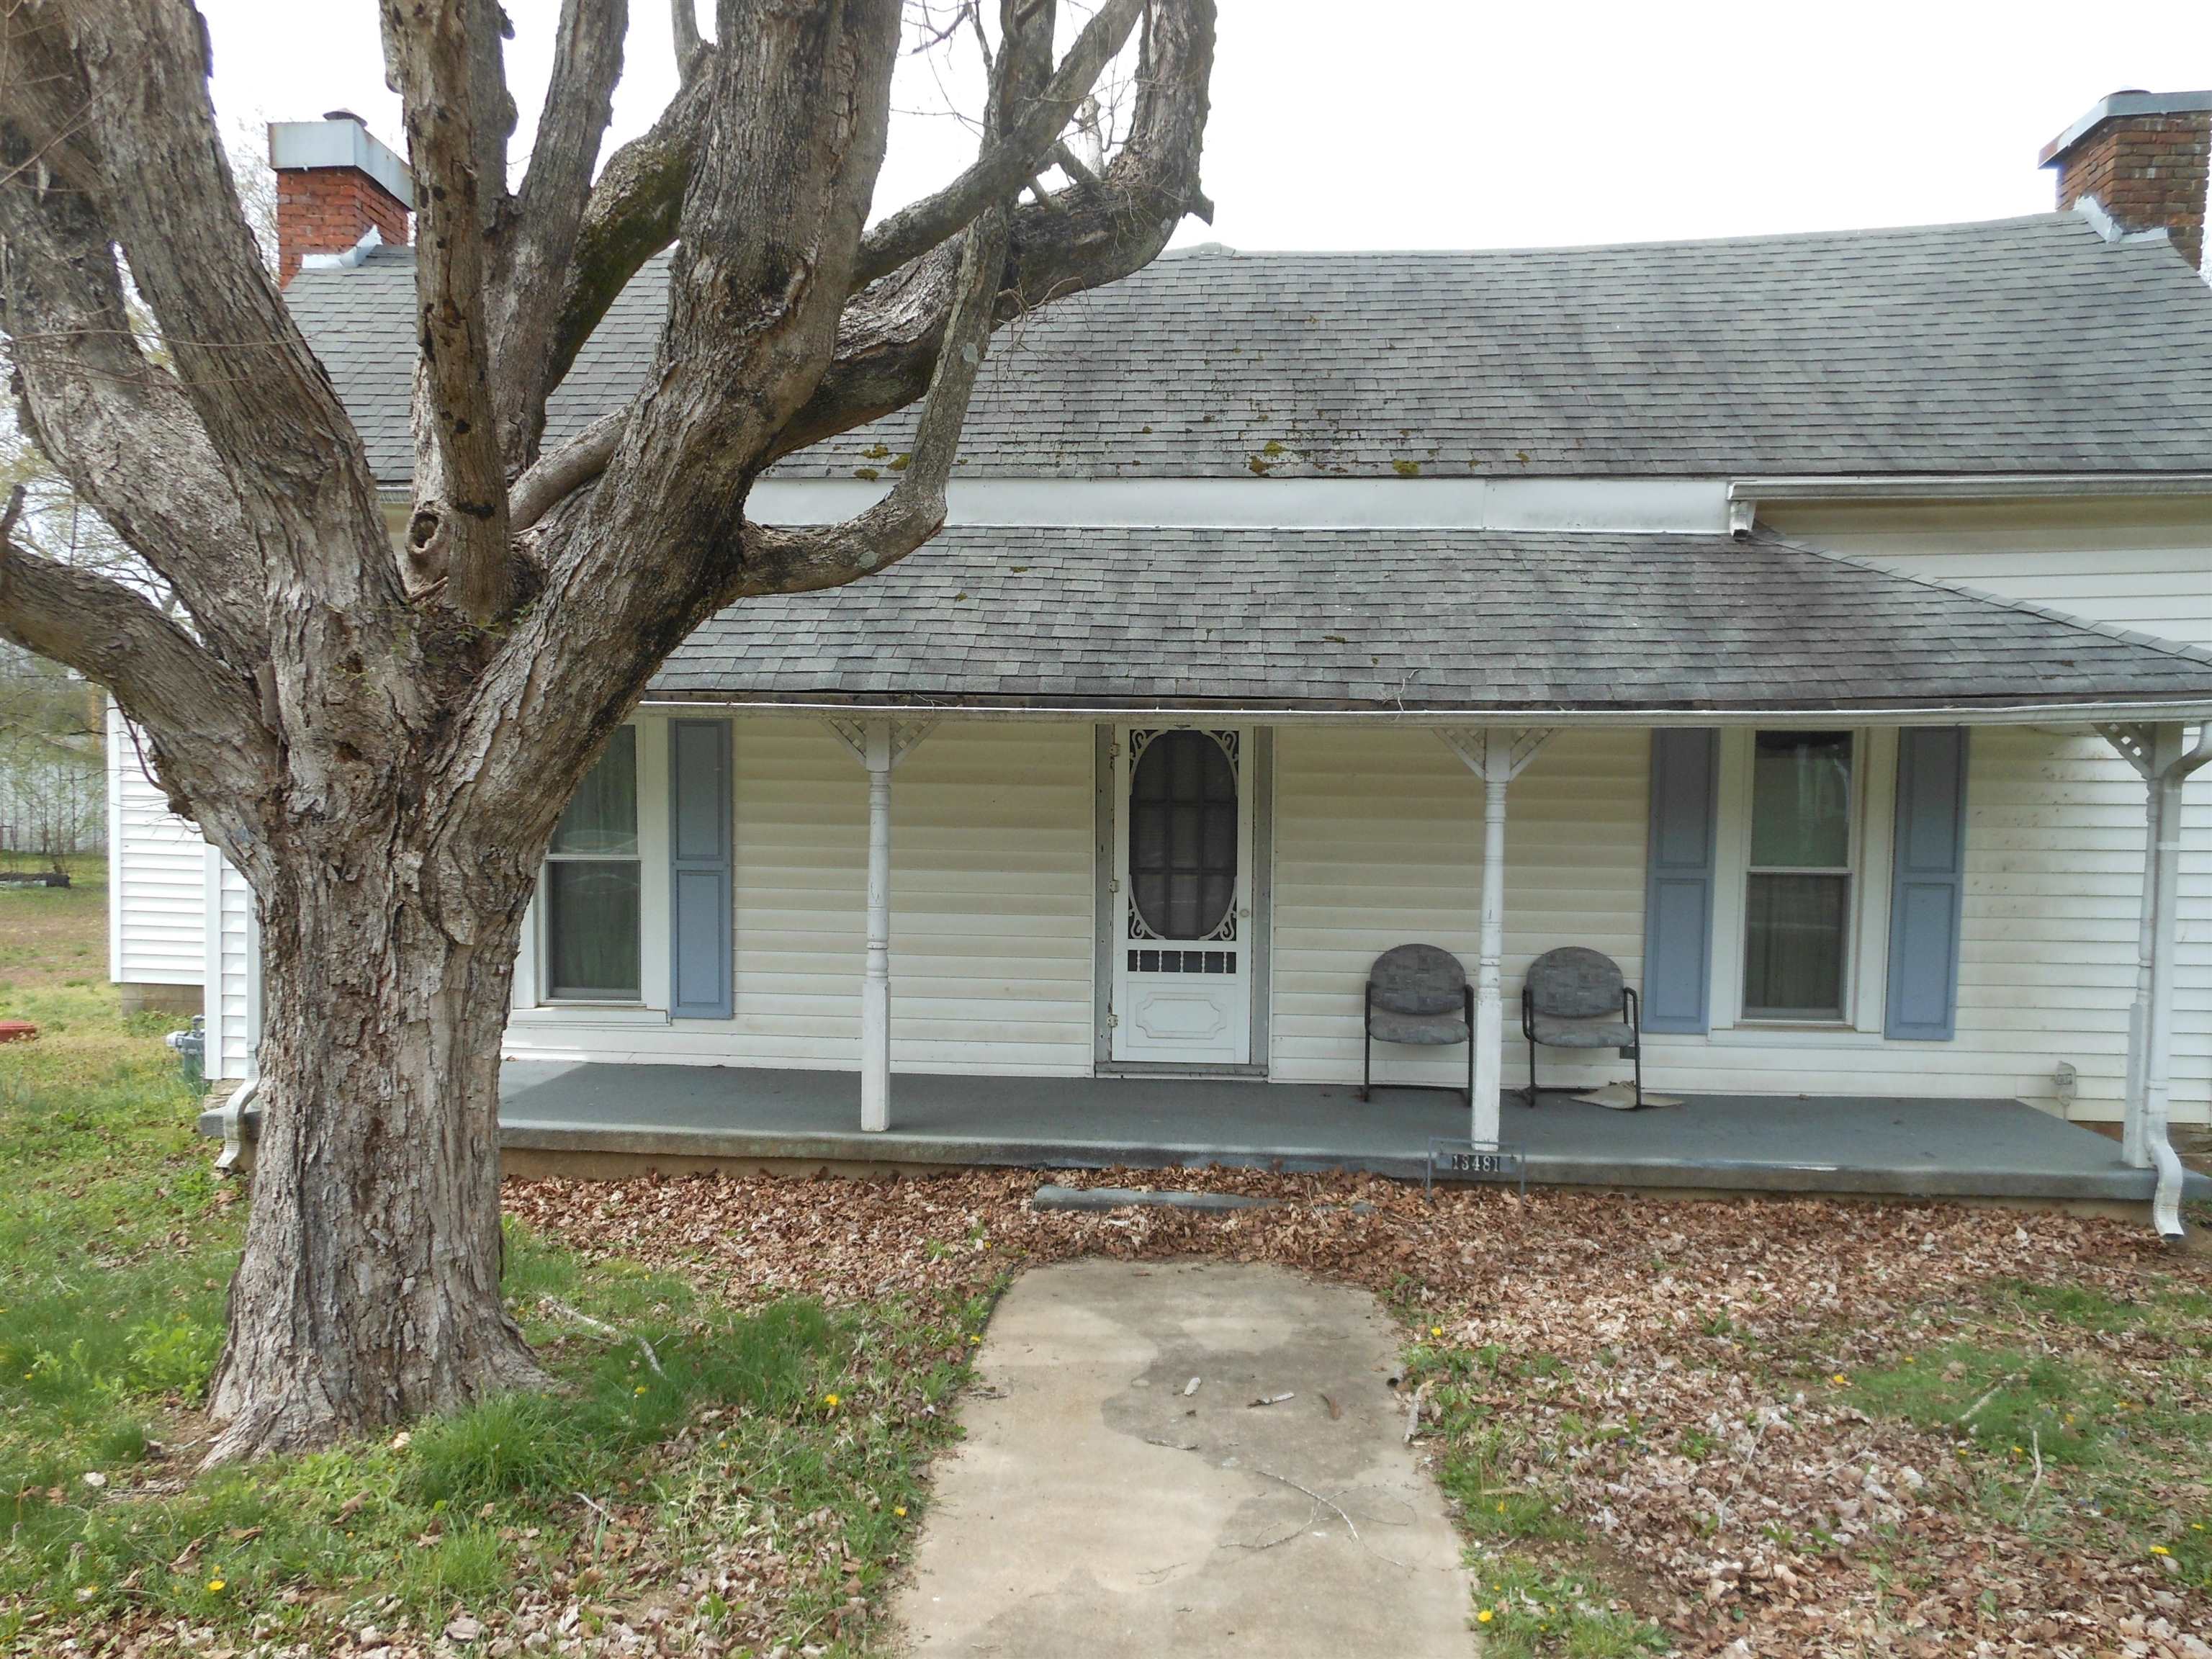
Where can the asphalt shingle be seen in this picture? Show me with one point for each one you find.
(1422, 620)
(2018, 345)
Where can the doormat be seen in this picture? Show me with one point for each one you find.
(1621, 1098)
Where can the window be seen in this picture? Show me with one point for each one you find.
(1182, 836)
(1797, 900)
(593, 884)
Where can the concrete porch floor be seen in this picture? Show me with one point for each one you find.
(1921, 1148)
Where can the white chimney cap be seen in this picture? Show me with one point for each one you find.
(300, 146)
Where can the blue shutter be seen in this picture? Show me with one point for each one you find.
(701, 920)
(1927, 883)
(1678, 900)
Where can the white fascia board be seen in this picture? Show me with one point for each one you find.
(1663, 506)
(2079, 716)
(1971, 486)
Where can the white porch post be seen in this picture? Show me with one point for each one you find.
(876, 981)
(881, 744)
(1496, 756)
(2157, 753)
(1490, 972)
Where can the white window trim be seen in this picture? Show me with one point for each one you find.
(650, 1005)
(1874, 811)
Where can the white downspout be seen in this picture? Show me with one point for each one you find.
(2163, 879)
(876, 984)
(1489, 980)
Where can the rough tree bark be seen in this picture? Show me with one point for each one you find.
(381, 739)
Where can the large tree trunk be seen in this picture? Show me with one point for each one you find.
(369, 1291)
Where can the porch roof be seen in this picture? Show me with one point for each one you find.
(1447, 622)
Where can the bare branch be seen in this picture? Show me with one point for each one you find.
(630, 217)
(796, 561)
(690, 47)
(802, 560)
(263, 400)
(1005, 165)
(203, 716)
(567, 469)
(117, 428)
(458, 531)
(533, 253)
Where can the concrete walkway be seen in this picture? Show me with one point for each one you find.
(1098, 1509)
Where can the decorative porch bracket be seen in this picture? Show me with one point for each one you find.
(1497, 756)
(881, 744)
(2157, 753)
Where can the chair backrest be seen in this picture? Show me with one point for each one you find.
(1418, 979)
(1575, 982)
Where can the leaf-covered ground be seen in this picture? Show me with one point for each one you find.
(1779, 1428)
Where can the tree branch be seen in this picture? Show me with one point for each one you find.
(798, 560)
(119, 428)
(539, 240)
(303, 483)
(691, 45)
(1094, 233)
(203, 716)
(631, 216)
(1022, 149)
(458, 531)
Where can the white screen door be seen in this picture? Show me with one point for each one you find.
(1182, 948)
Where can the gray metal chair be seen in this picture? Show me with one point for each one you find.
(1575, 997)
(1417, 994)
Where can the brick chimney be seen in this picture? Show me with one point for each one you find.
(2142, 155)
(335, 184)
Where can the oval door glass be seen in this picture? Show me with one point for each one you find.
(1183, 837)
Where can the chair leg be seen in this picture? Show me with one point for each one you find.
(1366, 1060)
(1528, 1095)
(1470, 1068)
(1638, 1052)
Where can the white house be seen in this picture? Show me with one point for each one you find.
(1794, 620)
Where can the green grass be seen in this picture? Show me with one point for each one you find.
(1533, 1611)
(810, 1426)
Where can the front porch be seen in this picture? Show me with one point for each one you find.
(1908, 1148)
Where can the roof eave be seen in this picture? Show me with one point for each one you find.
(1968, 487)
(2088, 711)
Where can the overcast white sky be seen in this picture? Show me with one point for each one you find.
(1453, 123)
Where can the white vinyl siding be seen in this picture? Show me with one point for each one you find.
(157, 876)
(232, 1014)
(1378, 842)
(991, 870)
(2071, 889)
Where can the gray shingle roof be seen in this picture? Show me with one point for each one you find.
(1417, 619)
(2019, 345)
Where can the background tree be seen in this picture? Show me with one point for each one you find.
(381, 741)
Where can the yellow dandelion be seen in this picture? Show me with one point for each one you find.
(2159, 1549)
(975, 1341)
(1436, 1330)
(1484, 1617)
(1501, 1509)
(830, 1400)
(640, 1388)
(215, 1586)
(899, 1509)
(1839, 1379)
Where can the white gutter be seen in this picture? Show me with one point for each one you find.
(1969, 486)
(2044, 713)
(2158, 1052)
(233, 1125)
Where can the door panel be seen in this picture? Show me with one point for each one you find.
(1181, 945)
